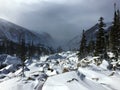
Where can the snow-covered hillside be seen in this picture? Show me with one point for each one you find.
(14, 32)
(60, 71)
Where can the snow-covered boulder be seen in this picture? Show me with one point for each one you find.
(104, 64)
(28, 62)
(85, 62)
(110, 54)
(12, 60)
(50, 72)
(8, 69)
(55, 56)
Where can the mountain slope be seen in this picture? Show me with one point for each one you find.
(14, 32)
(90, 34)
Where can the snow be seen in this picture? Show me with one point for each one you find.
(111, 54)
(49, 74)
(12, 60)
(16, 84)
(65, 82)
(55, 56)
(104, 64)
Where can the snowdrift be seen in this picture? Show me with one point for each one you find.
(71, 81)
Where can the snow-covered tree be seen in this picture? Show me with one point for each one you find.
(100, 39)
(23, 55)
(83, 47)
(115, 33)
(91, 47)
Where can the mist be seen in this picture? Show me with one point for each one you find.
(62, 19)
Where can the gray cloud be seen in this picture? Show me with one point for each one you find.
(63, 19)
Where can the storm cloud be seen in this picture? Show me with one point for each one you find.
(63, 19)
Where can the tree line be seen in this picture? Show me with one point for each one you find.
(30, 49)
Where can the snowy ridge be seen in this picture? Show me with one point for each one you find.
(13, 32)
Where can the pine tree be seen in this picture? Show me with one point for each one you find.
(5, 45)
(2, 47)
(118, 31)
(100, 47)
(23, 55)
(83, 48)
(107, 41)
(31, 50)
(91, 47)
(59, 49)
(115, 33)
(11, 48)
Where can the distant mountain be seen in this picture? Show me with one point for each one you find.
(14, 32)
(90, 34)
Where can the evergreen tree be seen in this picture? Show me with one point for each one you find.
(23, 55)
(31, 50)
(115, 33)
(91, 47)
(118, 31)
(100, 47)
(10, 48)
(5, 41)
(2, 47)
(59, 49)
(107, 41)
(83, 48)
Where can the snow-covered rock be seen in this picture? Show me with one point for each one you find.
(54, 76)
(12, 60)
(55, 56)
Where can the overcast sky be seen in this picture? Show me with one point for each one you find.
(63, 19)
